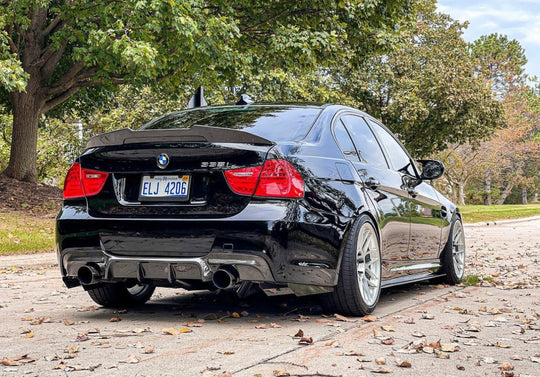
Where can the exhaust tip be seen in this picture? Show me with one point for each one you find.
(225, 277)
(88, 274)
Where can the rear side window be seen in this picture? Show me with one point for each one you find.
(345, 143)
(275, 123)
(366, 144)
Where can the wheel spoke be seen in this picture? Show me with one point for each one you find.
(368, 264)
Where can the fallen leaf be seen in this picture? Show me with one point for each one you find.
(339, 317)
(29, 335)
(350, 353)
(502, 345)
(68, 323)
(380, 361)
(185, 330)
(115, 319)
(418, 334)
(226, 352)
(387, 341)
(306, 341)
(171, 331)
(449, 347)
(460, 367)
(148, 350)
(440, 354)
(403, 363)
(427, 316)
(275, 325)
(235, 315)
(409, 321)
(299, 334)
(261, 326)
(71, 349)
(516, 357)
(369, 318)
(506, 366)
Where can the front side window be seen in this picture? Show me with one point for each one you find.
(364, 140)
(399, 159)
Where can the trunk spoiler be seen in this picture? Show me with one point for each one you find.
(197, 134)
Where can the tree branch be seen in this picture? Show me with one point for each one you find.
(53, 25)
(67, 80)
(59, 99)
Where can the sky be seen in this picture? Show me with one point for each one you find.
(517, 19)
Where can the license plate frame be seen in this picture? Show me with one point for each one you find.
(165, 188)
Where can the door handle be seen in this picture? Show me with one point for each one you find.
(372, 183)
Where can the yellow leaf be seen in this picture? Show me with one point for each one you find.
(171, 331)
(29, 335)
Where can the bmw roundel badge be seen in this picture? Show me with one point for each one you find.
(163, 161)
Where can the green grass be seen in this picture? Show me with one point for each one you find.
(477, 213)
(22, 233)
(469, 280)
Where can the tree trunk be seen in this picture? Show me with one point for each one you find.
(535, 198)
(505, 193)
(524, 195)
(461, 194)
(26, 112)
(487, 188)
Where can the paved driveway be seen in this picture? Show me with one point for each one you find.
(488, 329)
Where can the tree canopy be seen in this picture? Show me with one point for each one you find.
(57, 47)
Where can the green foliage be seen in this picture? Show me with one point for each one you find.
(65, 46)
(500, 60)
(425, 89)
(12, 75)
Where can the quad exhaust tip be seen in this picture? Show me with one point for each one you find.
(225, 277)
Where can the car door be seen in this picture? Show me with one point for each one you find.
(425, 209)
(383, 185)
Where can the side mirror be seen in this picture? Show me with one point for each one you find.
(431, 169)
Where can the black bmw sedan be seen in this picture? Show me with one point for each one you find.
(310, 199)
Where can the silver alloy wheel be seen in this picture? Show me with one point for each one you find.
(368, 264)
(458, 249)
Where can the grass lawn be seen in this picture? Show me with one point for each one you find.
(22, 233)
(477, 213)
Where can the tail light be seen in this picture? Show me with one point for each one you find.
(276, 179)
(81, 182)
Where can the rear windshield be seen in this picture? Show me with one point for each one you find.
(275, 123)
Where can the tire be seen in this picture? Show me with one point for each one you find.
(115, 295)
(359, 283)
(453, 255)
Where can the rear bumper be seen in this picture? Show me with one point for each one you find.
(267, 242)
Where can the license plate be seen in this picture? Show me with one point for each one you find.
(164, 187)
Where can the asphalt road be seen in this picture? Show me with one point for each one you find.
(490, 329)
